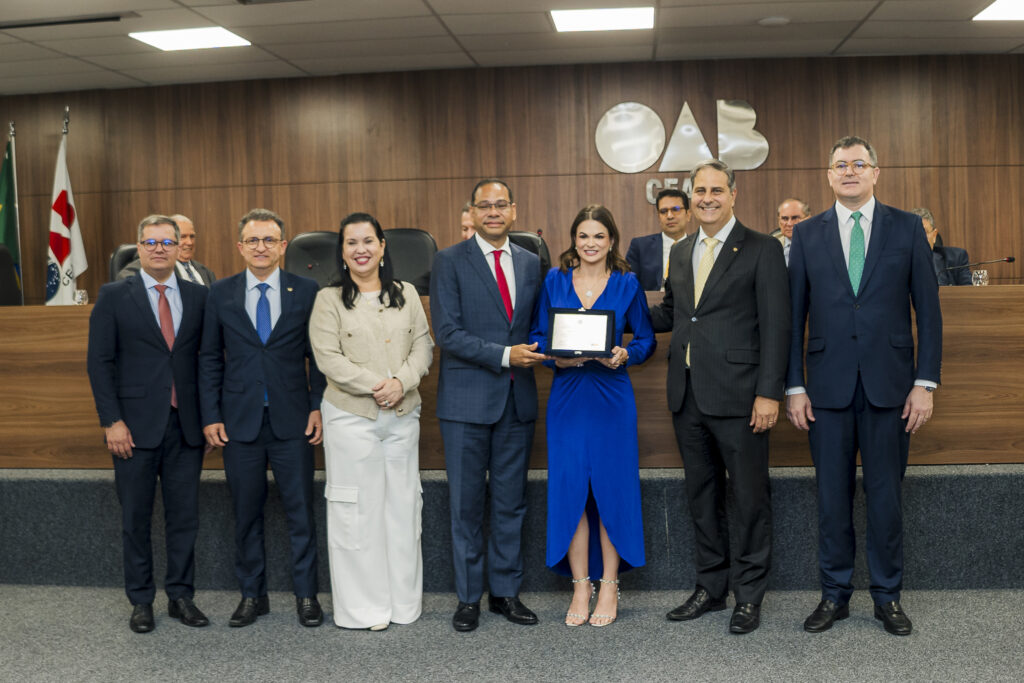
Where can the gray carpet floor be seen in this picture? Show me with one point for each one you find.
(81, 634)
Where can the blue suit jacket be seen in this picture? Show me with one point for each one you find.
(235, 368)
(472, 330)
(131, 368)
(945, 258)
(645, 259)
(868, 332)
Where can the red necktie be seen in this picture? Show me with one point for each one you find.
(499, 274)
(163, 307)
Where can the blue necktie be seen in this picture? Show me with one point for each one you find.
(856, 265)
(263, 313)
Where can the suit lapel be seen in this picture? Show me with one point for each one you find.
(238, 305)
(879, 236)
(685, 261)
(834, 247)
(189, 313)
(521, 275)
(730, 250)
(479, 264)
(141, 299)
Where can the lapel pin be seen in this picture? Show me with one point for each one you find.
(735, 248)
(290, 289)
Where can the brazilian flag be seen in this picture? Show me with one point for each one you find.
(8, 217)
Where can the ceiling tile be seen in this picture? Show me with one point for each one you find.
(146, 21)
(932, 10)
(717, 49)
(34, 10)
(108, 45)
(66, 82)
(326, 67)
(444, 7)
(757, 34)
(524, 43)
(157, 59)
(925, 46)
(215, 72)
(370, 29)
(311, 11)
(523, 22)
(366, 48)
(941, 29)
(566, 56)
(20, 52)
(44, 67)
(736, 15)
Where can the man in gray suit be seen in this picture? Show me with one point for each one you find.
(187, 267)
(727, 305)
(482, 293)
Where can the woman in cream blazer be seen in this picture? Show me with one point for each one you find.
(371, 340)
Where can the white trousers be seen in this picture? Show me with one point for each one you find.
(374, 505)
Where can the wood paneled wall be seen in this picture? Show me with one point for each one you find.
(408, 147)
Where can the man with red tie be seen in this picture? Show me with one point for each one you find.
(144, 335)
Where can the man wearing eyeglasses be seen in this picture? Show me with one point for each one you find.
(482, 293)
(648, 255)
(790, 212)
(854, 272)
(259, 406)
(187, 267)
(144, 335)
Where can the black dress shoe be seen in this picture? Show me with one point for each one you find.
(513, 609)
(467, 616)
(248, 609)
(142, 619)
(309, 611)
(696, 605)
(894, 618)
(186, 610)
(746, 617)
(824, 615)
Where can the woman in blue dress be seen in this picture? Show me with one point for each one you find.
(594, 519)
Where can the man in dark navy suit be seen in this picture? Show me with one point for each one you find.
(144, 337)
(258, 404)
(950, 262)
(648, 255)
(482, 293)
(854, 272)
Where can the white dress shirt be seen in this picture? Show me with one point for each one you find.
(252, 295)
(845, 218)
(699, 248)
(510, 276)
(172, 293)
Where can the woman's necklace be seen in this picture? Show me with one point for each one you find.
(591, 285)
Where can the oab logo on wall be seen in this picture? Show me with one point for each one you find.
(630, 137)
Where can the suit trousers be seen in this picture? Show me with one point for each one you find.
(374, 507)
(178, 467)
(470, 452)
(711, 447)
(245, 467)
(835, 437)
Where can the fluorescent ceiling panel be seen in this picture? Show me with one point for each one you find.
(1002, 10)
(191, 38)
(619, 19)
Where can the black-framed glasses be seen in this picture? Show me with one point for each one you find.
(664, 211)
(858, 166)
(254, 242)
(151, 244)
(500, 205)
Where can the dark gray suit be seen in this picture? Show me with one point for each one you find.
(738, 335)
(487, 412)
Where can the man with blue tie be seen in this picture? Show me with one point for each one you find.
(854, 272)
(259, 405)
(482, 293)
(143, 343)
(648, 255)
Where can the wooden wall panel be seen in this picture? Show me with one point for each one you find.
(409, 146)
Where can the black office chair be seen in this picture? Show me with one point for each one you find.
(536, 244)
(313, 255)
(10, 293)
(122, 255)
(412, 256)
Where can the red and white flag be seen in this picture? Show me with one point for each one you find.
(66, 257)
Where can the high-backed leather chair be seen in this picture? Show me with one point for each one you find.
(536, 244)
(122, 255)
(10, 293)
(412, 256)
(313, 255)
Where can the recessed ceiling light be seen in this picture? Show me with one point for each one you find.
(773, 21)
(619, 19)
(1002, 10)
(191, 38)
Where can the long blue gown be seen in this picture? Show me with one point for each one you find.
(593, 459)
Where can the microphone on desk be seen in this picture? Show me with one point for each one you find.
(1005, 259)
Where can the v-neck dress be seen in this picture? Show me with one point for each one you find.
(593, 459)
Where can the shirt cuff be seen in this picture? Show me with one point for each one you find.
(504, 357)
(795, 390)
(925, 383)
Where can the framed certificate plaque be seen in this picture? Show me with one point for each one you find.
(578, 332)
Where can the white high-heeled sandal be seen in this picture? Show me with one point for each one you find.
(611, 619)
(581, 617)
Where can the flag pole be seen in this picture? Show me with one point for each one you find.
(17, 214)
(67, 118)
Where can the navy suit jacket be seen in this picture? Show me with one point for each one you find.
(131, 369)
(472, 330)
(235, 368)
(645, 259)
(947, 257)
(868, 332)
(739, 330)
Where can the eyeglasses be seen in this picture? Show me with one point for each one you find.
(151, 244)
(500, 205)
(858, 166)
(254, 242)
(664, 211)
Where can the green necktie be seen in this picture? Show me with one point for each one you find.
(856, 266)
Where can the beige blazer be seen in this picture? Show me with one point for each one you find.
(356, 349)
